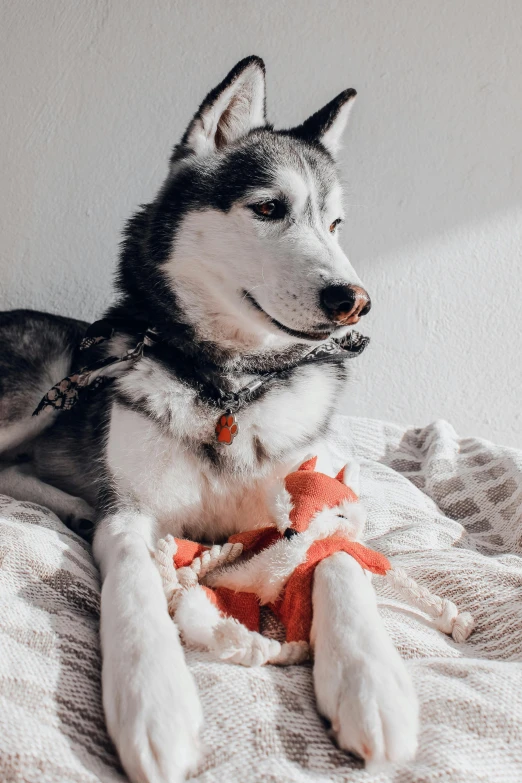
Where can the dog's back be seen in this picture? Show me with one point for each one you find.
(35, 350)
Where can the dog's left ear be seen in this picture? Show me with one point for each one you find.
(327, 125)
(229, 111)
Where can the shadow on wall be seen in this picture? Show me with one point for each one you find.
(446, 332)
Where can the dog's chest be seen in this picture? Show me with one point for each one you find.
(171, 464)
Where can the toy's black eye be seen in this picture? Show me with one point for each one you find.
(334, 225)
(272, 210)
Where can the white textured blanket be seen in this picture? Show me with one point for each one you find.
(447, 509)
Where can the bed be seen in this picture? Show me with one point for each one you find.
(448, 509)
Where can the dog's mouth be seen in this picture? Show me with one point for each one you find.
(322, 332)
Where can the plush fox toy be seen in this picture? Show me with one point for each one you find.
(214, 594)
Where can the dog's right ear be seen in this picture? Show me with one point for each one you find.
(229, 111)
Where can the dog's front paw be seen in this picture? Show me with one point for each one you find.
(153, 711)
(361, 682)
(372, 705)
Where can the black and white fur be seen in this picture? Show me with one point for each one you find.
(233, 294)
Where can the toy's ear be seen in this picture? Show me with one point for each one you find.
(309, 464)
(349, 476)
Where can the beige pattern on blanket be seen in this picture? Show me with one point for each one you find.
(447, 509)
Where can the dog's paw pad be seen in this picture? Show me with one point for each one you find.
(226, 428)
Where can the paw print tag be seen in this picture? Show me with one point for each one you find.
(227, 428)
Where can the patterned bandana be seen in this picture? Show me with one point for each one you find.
(89, 379)
(92, 377)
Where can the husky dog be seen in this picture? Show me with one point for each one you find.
(236, 266)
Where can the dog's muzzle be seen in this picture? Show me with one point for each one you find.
(345, 304)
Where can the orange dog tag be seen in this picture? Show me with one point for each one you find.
(227, 428)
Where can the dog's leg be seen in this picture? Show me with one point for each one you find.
(18, 482)
(150, 699)
(361, 683)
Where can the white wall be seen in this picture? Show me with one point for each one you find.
(94, 94)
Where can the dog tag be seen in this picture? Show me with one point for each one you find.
(227, 428)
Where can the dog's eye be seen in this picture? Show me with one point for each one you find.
(273, 210)
(334, 225)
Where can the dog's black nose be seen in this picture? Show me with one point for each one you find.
(345, 304)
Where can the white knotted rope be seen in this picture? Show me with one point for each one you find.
(235, 643)
(164, 557)
(445, 614)
(231, 640)
(176, 580)
(215, 557)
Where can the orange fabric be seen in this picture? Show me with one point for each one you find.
(310, 492)
(310, 464)
(255, 540)
(187, 552)
(294, 608)
(242, 606)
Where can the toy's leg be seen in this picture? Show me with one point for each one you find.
(201, 625)
(361, 683)
(197, 618)
(151, 704)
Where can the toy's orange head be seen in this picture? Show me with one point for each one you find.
(311, 491)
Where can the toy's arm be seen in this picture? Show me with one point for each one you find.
(265, 573)
(361, 683)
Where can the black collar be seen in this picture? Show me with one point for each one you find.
(98, 373)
